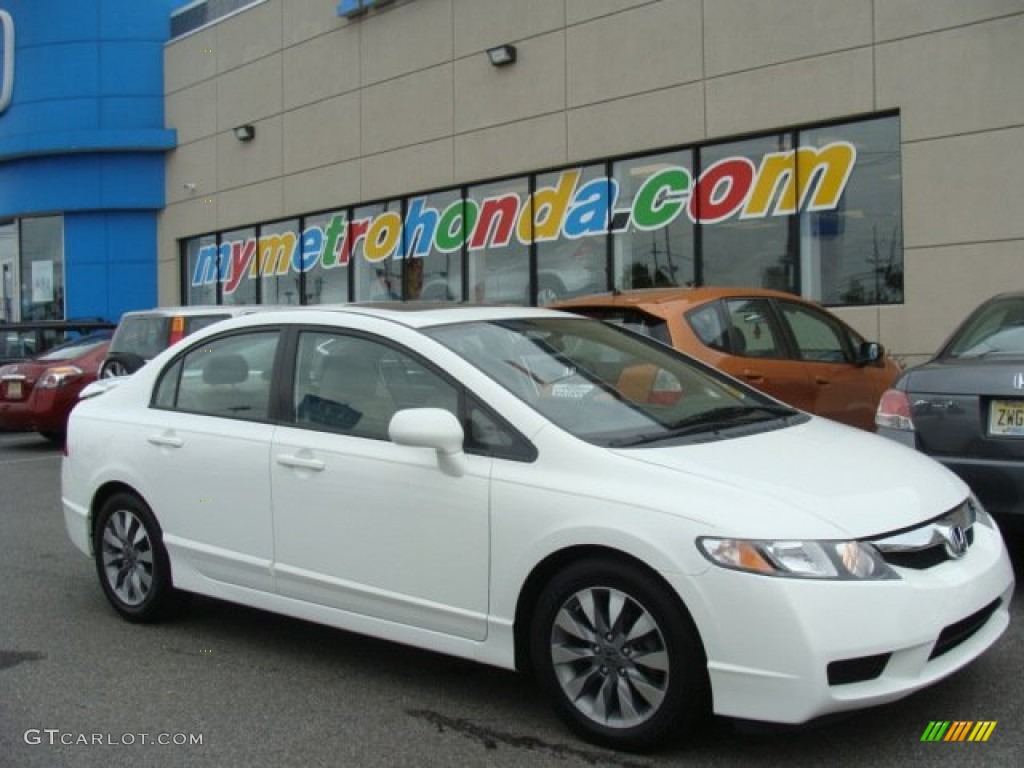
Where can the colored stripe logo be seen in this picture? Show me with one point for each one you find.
(958, 730)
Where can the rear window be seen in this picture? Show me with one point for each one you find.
(631, 319)
(143, 335)
(79, 346)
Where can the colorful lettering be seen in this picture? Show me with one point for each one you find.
(805, 179)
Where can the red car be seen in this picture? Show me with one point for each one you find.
(37, 395)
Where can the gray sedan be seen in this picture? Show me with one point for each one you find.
(965, 407)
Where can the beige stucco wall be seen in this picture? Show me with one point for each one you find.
(404, 100)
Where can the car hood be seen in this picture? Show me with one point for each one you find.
(973, 375)
(851, 483)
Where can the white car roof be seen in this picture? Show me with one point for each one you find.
(410, 315)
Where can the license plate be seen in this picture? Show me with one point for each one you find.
(14, 390)
(1006, 418)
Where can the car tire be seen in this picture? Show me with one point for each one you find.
(120, 364)
(131, 560)
(618, 656)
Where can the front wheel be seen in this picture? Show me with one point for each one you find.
(131, 561)
(618, 656)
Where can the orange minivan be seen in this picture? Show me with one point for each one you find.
(789, 347)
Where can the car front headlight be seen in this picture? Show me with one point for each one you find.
(55, 378)
(837, 560)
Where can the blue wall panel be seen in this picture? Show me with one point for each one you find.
(82, 182)
(84, 136)
(113, 259)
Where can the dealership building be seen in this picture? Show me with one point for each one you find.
(864, 153)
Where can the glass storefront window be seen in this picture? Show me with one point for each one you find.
(238, 287)
(499, 222)
(816, 212)
(327, 278)
(202, 272)
(572, 257)
(9, 305)
(42, 268)
(279, 247)
(657, 249)
(736, 251)
(854, 254)
(433, 247)
(375, 236)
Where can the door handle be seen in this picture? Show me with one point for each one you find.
(166, 441)
(752, 375)
(299, 462)
(822, 380)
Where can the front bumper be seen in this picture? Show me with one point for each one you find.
(770, 641)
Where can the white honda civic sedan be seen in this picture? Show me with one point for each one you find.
(536, 490)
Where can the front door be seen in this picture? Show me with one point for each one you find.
(363, 524)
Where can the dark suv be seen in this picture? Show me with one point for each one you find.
(21, 341)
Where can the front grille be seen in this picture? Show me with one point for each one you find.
(922, 559)
(857, 670)
(948, 537)
(955, 634)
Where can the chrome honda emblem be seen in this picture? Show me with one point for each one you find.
(956, 541)
(1018, 381)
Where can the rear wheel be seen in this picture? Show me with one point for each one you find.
(618, 656)
(131, 561)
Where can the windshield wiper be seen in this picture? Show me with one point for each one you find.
(709, 421)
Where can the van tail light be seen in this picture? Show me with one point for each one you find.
(177, 330)
(894, 411)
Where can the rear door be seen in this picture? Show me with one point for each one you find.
(205, 451)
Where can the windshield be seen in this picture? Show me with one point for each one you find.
(76, 348)
(996, 328)
(607, 385)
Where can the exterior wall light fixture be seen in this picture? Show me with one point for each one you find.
(502, 55)
(245, 132)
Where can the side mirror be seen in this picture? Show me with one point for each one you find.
(869, 352)
(431, 428)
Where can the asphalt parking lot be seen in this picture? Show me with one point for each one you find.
(224, 685)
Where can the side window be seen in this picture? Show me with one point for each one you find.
(818, 337)
(707, 323)
(228, 377)
(355, 385)
(488, 435)
(752, 330)
(166, 394)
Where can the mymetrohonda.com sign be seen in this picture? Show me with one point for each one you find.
(731, 188)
